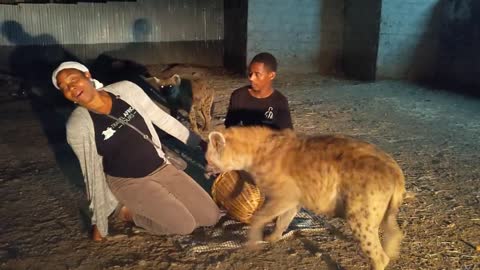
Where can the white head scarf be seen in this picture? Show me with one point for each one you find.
(73, 65)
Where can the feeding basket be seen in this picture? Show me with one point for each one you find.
(235, 192)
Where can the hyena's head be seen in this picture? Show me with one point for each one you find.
(166, 86)
(175, 80)
(226, 152)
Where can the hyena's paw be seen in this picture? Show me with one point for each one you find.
(273, 237)
(252, 245)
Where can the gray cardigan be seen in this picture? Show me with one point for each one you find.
(81, 137)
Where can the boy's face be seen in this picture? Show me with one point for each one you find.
(260, 76)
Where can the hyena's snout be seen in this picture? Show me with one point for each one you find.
(211, 170)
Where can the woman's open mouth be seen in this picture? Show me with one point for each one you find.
(79, 94)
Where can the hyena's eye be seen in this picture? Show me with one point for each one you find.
(161, 86)
(170, 85)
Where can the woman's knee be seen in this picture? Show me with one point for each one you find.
(184, 229)
(179, 224)
(210, 216)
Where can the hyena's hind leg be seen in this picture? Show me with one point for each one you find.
(282, 224)
(192, 117)
(206, 110)
(367, 235)
(365, 223)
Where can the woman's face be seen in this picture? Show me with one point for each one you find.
(76, 86)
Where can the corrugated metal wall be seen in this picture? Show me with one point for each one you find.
(144, 31)
(112, 22)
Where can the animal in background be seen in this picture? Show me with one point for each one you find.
(187, 70)
(192, 95)
(330, 175)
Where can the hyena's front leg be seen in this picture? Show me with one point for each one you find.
(174, 112)
(202, 118)
(274, 207)
(206, 109)
(282, 224)
(192, 117)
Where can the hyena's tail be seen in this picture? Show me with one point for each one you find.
(392, 234)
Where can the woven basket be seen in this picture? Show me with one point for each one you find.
(240, 204)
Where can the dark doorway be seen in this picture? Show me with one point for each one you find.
(360, 38)
(235, 35)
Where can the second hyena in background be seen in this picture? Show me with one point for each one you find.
(193, 95)
(330, 175)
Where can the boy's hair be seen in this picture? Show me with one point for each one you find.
(267, 59)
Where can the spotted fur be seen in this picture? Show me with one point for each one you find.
(329, 175)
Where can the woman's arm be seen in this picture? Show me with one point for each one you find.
(77, 138)
(162, 119)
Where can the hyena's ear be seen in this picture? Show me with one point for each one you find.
(217, 141)
(176, 78)
(153, 81)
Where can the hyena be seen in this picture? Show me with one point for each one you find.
(331, 175)
(193, 95)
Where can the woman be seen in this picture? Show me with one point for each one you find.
(112, 135)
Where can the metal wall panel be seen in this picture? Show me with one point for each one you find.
(142, 21)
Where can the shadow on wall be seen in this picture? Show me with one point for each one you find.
(33, 58)
(459, 42)
(454, 64)
(421, 66)
(142, 30)
(33, 65)
(111, 66)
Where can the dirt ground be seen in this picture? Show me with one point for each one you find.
(432, 134)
